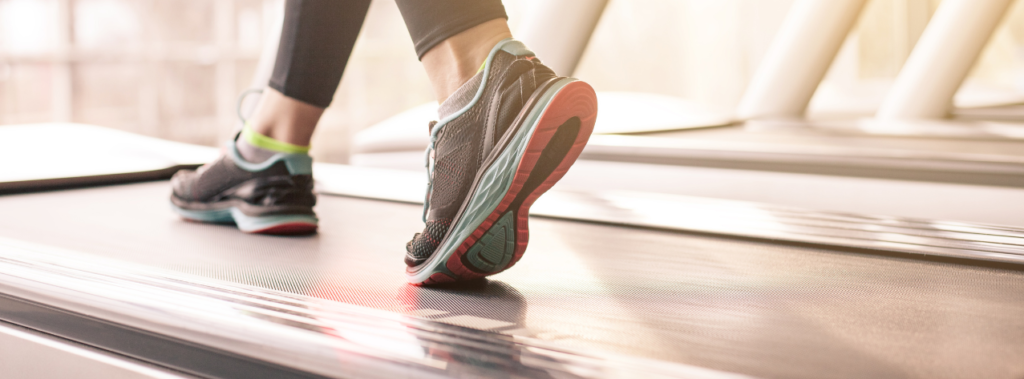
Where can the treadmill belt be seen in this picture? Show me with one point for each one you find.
(740, 306)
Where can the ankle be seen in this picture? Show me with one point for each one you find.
(284, 130)
(285, 119)
(454, 61)
(256, 139)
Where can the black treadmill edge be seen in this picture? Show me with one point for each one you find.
(57, 184)
(164, 351)
(230, 330)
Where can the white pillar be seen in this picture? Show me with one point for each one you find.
(62, 109)
(559, 30)
(273, 15)
(799, 57)
(943, 57)
(226, 68)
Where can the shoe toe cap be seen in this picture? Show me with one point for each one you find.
(182, 184)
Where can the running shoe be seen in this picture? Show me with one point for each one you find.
(504, 139)
(271, 197)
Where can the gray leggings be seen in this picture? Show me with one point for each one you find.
(318, 37)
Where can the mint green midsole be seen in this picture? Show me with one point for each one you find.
(244, 222)
(492, 188)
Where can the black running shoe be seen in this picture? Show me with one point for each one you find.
(515, 129)
(272, 197)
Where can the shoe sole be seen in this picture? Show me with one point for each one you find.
(272, 225)
(493, 231)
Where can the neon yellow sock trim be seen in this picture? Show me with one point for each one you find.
(264, 142)
(481, 66)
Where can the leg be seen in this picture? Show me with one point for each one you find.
(316, 41)
(285, 119)
(263, 184)
(451, 63)
(509, 129)
(452, 38)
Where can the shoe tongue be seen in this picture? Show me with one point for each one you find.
(461, 98)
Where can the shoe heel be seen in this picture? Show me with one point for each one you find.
(564, 128)
(572, 112)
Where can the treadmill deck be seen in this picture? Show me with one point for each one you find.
(739, 306)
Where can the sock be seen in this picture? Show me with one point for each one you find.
(464, 95)
(460, 98)
(256, 148)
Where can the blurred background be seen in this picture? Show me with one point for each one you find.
(174, 68)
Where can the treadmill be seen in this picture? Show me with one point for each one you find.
(98, 275)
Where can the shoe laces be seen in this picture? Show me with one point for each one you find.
(241, 99)
(429, 163)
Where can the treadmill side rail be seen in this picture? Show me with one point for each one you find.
(211, 328)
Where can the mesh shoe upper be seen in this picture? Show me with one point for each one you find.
(466, 141)
(223, 180)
